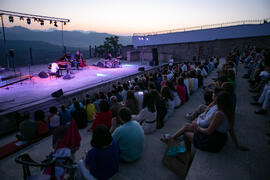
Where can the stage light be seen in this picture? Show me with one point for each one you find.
(35, 19)
(11, 19)
(42, 22)
(50, 21)
(55, 23)
(147, 39)
(28, 20)
(21, 18)
(65, 23)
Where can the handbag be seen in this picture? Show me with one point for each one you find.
(178, 162)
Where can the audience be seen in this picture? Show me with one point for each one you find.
(27, 129)
(53, 118)
(104, 117)
(129, 137)
(65, 115)
(102, 160)
(79, 115)
(132, 102)
(147, 116)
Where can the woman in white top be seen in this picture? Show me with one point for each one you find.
(53, 118)
(148, 114)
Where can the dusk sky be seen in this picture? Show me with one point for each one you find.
(125, 17)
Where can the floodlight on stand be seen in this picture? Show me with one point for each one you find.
(65, 23)
(35, 19)
(42, 22)
(11, 19)
(28, 20)
(55, 23)
(21, 18)
(50, 21)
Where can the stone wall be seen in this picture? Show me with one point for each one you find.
(186, 51)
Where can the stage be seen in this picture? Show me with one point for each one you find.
(37, 89)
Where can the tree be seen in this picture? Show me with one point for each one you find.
(111, 45)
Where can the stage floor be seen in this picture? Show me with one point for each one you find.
(37, 88)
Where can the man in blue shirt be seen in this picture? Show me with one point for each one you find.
(129, 137)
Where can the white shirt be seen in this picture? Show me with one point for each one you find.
(139, 97)
(148, 120)
(171, 62)
(187, 86)
(195, 80)
(54, 68)
(203, 119)
(55, 121)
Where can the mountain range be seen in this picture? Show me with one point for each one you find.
(77, 39)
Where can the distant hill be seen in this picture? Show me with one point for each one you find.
(43, 52)
(78, 39)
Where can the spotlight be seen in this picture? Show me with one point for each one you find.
(147, 39)
(11, 19)
(21, 18)
(28, 20)
(50, 21)
(42, 22)
(65, 23)
(35, 20)
(55, 23)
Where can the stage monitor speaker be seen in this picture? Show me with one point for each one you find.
(42, 74)
(155, 55)
(57, 93)
(141, 69)
(11, 53)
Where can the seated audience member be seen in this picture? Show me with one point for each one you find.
(129, 137)
(65, 115)
(176, 98)
(28, 130)
(41, 125)
(132, 102)
(104, 117)
(115, 107)
(53, 118)
(168, 98)
(164, 80)
(160, 106)
(96, 102)
(214, 137)
(139, 96)
(208, 98)
(72, 107)
(102, 160)
(147, 116)
(181, 90)
(79, 115)
(263, 101)
(90, 110)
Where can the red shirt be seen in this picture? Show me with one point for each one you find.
(102, 118)
(181, 91)
(42, 128)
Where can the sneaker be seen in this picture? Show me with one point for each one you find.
(261, 111)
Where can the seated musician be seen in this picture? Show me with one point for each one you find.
(55, 69)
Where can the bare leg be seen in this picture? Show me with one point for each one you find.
(186, 128)
(188, 139)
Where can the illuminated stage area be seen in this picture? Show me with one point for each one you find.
(38, 89)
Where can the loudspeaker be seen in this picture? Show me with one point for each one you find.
(11, 53)
(57, 93)
(155, 56)
(141, 69)
(42, 74)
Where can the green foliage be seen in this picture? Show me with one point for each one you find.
(111, 45)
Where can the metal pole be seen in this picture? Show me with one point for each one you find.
(63, 38)
(5, 43)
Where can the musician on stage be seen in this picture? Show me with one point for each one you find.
(54, 69)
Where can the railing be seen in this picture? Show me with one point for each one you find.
(210, 26)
